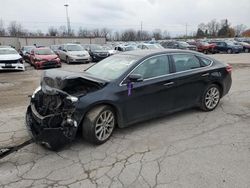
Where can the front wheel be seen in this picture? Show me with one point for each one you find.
(99, 124)
(67, 60)
(210, 98)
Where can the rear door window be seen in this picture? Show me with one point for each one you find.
(184, 62)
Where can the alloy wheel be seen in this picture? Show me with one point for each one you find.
(212, 98)
(104, 125)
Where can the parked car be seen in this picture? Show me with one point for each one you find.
(144, 46)
(4, 46)
(179, 45)
(97, 52)
(55, 48)
(126, 48)
(205, 47)
(73, 53)
(111, 50)
(25, 52)
(10, 59)
(44, 58)
(227, 46)
(246, 46)
(121, 90)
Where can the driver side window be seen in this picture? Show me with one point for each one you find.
(153, 67)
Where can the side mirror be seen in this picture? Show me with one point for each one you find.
(135, 78)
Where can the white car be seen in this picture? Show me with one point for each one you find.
(73, 53)
(10, 60)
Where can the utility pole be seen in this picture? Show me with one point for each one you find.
(141, 32)
(67, 17)
(186, 30)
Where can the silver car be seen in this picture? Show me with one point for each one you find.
(73, 53)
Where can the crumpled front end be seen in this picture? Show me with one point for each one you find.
(50, 119)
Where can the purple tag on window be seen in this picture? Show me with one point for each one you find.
(130, 87)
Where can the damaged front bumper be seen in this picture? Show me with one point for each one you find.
(53, 130)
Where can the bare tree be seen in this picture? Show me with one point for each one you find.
(116, 36)
(52, 31)
(213, 27)
(166, 35)
(16, 29)
(157, 34)
(105, 32)
(84, 32)
(129, 35)
(239, 29)
(62, 31)
(2, 29)
(96, 33)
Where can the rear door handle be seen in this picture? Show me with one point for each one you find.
(168, 84)
(206, 74)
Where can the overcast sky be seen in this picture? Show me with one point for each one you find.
(171, 15)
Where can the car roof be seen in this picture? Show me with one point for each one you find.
(41, 48)
(148, 52)
(7, 48)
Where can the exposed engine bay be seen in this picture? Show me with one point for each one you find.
(50, 115)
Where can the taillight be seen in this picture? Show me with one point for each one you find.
(229, 68)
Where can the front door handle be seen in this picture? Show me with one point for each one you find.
(168, 84)
(206, 74)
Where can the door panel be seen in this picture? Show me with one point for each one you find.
(190, 80)
(151, 96)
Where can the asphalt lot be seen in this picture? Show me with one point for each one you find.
(186, 149)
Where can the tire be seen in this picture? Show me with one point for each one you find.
(205, 52)
(97, 122)
(210, 98)
(229, 51)
(67, 60)
(246, 50)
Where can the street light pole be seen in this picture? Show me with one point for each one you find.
(68, 21)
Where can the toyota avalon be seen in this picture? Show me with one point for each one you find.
(121, 90)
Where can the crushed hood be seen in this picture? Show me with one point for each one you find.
(54, 81)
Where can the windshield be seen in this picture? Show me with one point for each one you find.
(54, 47)
(205, 43)
(230, 43)
(183, 44)
(96, 47)
(130, 48)
(44, 52)
(27, 48)
(74, 48)
(112, 67)
(7, 51)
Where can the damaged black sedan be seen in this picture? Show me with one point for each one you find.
(121, 90)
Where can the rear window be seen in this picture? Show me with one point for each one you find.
(185, 62)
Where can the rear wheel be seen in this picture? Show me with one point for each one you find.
(99, 124)
(210, 98)
(229, 51)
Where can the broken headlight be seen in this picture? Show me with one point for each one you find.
(35, 92)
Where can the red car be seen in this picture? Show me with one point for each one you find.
(44, 58)
(205, 47)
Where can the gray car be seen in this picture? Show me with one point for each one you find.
(73, 53)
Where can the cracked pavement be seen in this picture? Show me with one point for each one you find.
(186, 149)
